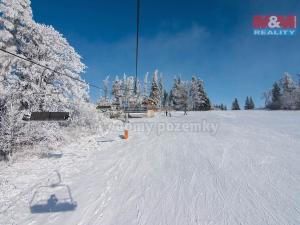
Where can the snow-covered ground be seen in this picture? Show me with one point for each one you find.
(206, 168)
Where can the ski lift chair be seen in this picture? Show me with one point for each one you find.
(47, 116)
(104, 108)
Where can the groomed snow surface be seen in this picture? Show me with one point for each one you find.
(206, 168)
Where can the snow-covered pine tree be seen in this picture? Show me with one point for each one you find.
(129, 99)
(287, 83)
(139, 97)
(165, 101)
(116, 91)
(161, 87)
(288, 87)
(200, 100)
(179, 94)
(193, 92)
(155, 91)
(106, 88)
(104, 99)
(288, 97)
(235, 105)
(146, 85)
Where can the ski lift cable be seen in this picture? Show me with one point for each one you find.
(45, 67)
(137, 43)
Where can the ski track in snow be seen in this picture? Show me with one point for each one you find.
(247, 173)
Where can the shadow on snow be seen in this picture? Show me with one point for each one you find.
(55, 197)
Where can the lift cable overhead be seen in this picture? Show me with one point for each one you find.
(45, 67)
(137, 43)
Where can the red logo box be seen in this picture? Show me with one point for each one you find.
(280, 22)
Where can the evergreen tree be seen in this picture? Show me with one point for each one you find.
(116, 91)
(200, 100)
(247, 104)
(276, 95)
(220, 107)
(106, 87)
(285, 94)
(179, 94)
(161, 87)
(235, 105)
(165, 99)
(251, 103)
(146, 85)
(288, 97)
(155, 91)
(287, 83)
(138, 99)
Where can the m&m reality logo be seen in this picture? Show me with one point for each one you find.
(274, 25)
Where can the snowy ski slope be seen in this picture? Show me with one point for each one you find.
(237, 168)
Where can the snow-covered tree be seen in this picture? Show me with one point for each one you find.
(106, 87)
(161, 87)
(285, 94)
(15, 20)
(288, 97)
(138, 89)
(146, 85)
(200, 100)
(138, 95)
(155, 94)
(165, 101)
(104, 99)
(16, 17)
(128, 86)
(117, 91)
(27, 87)
(179, 94)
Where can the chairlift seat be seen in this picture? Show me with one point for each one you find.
(104, 107)
(47, 116)
(137, 110)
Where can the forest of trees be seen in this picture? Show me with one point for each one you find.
(285, 94)
(189, 95)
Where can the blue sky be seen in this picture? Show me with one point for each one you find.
(210, 39)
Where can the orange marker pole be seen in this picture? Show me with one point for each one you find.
(126, 135)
